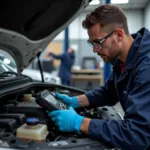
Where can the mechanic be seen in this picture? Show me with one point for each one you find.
(67, 61)
(128, 83)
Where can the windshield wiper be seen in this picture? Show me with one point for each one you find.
(8, 74)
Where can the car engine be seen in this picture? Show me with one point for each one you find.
(19, 105)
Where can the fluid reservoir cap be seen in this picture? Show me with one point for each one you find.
(32, 121)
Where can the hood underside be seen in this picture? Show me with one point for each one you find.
(27, 26)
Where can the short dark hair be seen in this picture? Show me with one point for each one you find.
(107, 15)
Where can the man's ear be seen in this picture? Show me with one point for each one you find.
(119, 35)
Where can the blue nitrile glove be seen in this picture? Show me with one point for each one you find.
(70, 101)
(67, 120)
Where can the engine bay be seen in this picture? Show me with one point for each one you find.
(20, 105)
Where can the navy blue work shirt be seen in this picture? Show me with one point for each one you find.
(132, 89)
(67, 61)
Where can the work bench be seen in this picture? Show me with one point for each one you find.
(87, 78)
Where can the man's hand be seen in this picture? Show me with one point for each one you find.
(70, 101)
(47, 55)
(67, 120)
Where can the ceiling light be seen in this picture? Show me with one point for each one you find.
(119, 1)
(94, 2)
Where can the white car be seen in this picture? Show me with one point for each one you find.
(32, 73)
(36, 75)
(26, 28)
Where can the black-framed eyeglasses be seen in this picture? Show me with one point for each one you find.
(99, 42)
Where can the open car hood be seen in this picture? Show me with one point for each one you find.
(27, 26)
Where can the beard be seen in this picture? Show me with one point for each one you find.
(113, 55)
(107, 59)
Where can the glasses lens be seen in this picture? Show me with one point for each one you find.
(97, 46)
(94, 44)
(90, 43)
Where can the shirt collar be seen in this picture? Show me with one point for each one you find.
(133, 53)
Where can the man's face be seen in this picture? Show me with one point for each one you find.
(70, 50)
(104, 44)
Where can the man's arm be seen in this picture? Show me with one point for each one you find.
(134, 131)
(61, 56)
(105, 95)
(83, 100)
(85, 125)
(97, 97)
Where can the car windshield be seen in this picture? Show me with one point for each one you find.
(4, 67)
(6, 72)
